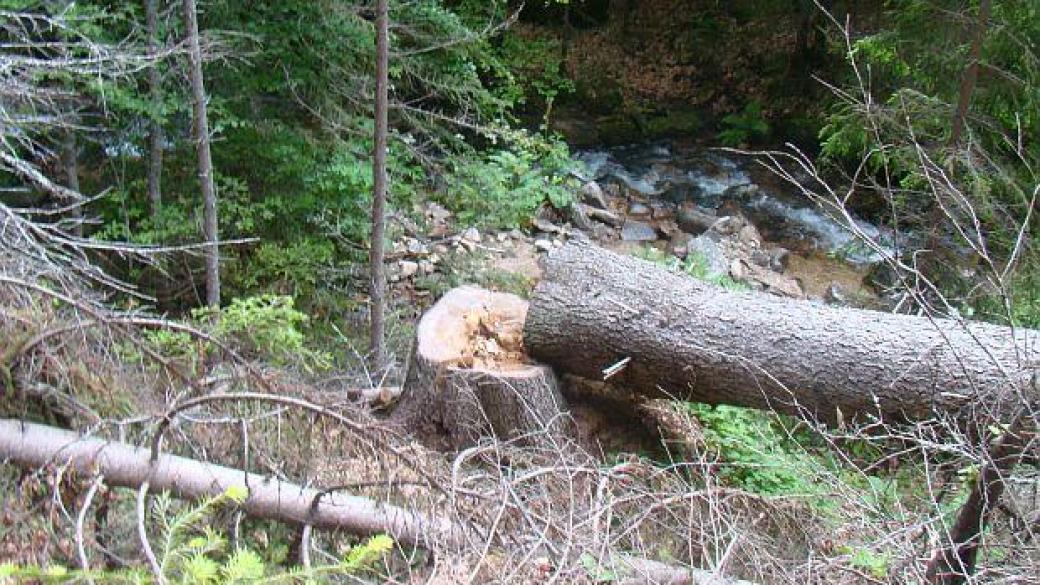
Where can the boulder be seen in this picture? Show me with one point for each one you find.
(592, 194)
(711, 254)
(695, 220)
(638, 231)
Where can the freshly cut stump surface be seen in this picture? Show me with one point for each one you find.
(468, 375)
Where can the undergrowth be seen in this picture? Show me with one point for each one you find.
(190, 551)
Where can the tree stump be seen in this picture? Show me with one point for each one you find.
(468, 375)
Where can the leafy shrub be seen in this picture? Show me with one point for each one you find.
(504, 188)
(267, 326)
(758, 456)
(745, 126)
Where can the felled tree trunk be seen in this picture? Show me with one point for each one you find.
(36, 446)
(601, 315)
(468, 375)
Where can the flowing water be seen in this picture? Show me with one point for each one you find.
(719, 181)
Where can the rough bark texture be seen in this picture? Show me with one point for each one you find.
(209, 190)
(689, 340)
(35, 446)
(155, 135)
(377, 285)
(450, 391)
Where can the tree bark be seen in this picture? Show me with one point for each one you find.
(466, 376)
(971, 74)
(209, 191)
(598, 314)
(36, 446)
(377, 284)
(155, 136)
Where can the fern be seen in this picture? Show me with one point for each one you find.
(193, 553)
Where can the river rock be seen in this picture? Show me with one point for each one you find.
(639, 209)
(679, 245)
(778, 259)
(729, 225)
(603, 215)
(580, 218)
(749, 235)
(407, 268)
(638, 231)
(543, 245)
(710, 253)
(743, 192)
(694, 220)
(592, 194)
(662, 210)
(471, 235)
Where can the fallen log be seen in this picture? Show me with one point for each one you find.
(601, 315)
(468, 375)
(122, 465)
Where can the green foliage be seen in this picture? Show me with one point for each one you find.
(266, 326)
(533, 70)
(191, 552)
(505, 187)
(758, 456)
(745, 126)
(695, 265)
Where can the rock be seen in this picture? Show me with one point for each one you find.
(604, 215)
(742, 192)
(749, 235)
(709, 252)
(546, 226)
(543, 245)
(679, 244)
(435, 258)
(639, 209)
(516, 234)
(695, 220)
(612, 190)
(581, 219)
(738, 270)
(662, 210)
(437, 212)
(592, 194)
(440, 249)
(416, 248)
(778, 258)
(471, 235)
(668, 228)
(558, 243)
(407, 268)
(638, 231)
(501, 236)
(767, 279)
(728, 226)
(835, 295)
(761, 258)
(427, 267)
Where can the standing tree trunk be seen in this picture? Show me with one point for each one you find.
(155, 137)
(209, 191)
(70, 167)
(971, 74)
(597, 314)
(377, 284)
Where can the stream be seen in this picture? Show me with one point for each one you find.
(825, 257)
